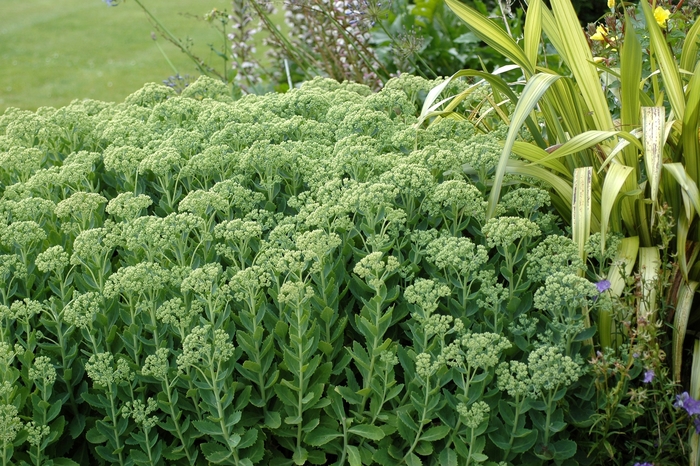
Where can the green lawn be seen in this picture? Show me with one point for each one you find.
(52, 52)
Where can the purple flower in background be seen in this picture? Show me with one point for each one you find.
(685, 401)
(603, 285)
(643, 464)
(648, 375)
(696, 421)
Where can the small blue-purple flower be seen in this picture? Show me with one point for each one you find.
(643, 464)
(603, 285)
(685, 401)
(648, 375)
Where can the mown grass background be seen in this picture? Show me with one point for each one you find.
(52, 52)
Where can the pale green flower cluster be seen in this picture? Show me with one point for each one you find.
(526, 201)
(203, 280)
(504, 231)
(437, 325)
(22, 234)
(514, 377)
(93, 245)
(248, 282)
(54, 259)
(374, 270)
(317, 245)
(460, 255)
(101, 369)
(204, 346)
(237, 231)
(411, 179)
(295, 293)
(28, 208)
(36, 433)
(10, 423)
(161, 162)
(203, 203)
(555, 254)
(80, 205)
(483, 350)
(174, 312)
(564, 292)
(550, 370)
(123, 159)
(128, 206)
(474, 415)
(457, 194)
(43, 372)
(426, 293)
(140, 412)
(138, 279)
(425, 366)
(82, 309)
(11, 265)
(238, 197)
(22, 161)
(25, 309)
(157, 365)
(593, 245)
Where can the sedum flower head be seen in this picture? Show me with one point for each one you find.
(504, 231)
(475, 414)
(43, 373)
(203, 203)
(156, 365)
(25, 309)
(22, 234)
(426, 294)
(11, 265)
(248, 282)
(10, 423)
(203, 347)
(202, 280)
(128, 206)
(92, 245)
(136, 279)
(36, 432)
(483, 350)
(80, 205)
(554, 254)
(550, 370)
(564, 291)
(54, 259)
(459, 255)
(374, 270)
(123, 159)
(513, 377)
(425, 367)
(459, 194)
(437, 325)
(140, 412)
(161, 162)
(101, 369)
(526, 200)
(82, 309)
(295, 293)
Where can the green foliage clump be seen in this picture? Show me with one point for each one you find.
(305, 277)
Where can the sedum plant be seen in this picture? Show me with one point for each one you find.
(305, 278)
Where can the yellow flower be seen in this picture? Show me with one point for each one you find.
(661, 15)
(611, 4)
(598, 59)
(600, 34)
